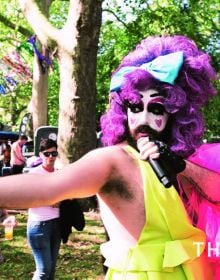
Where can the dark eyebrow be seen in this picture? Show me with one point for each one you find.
(156, 94)
(152, 95)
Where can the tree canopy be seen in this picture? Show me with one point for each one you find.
(124, 24)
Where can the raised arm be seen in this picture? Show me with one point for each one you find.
(83, 178)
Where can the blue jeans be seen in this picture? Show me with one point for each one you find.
(44, 239)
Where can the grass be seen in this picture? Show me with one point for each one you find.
(79, 259)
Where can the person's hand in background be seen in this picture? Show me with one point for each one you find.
(10, 220)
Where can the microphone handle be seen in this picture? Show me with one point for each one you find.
(161, 174)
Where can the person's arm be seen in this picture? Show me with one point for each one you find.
(83, 178)
(205, 181)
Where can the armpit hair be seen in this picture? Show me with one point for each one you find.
(117, 187)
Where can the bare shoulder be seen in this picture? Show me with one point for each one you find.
(89, 174)
(122, 166)
(112, 161)
(112, 154)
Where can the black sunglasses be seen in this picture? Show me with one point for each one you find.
(53, 154)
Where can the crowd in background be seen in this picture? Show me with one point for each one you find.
(12, 160)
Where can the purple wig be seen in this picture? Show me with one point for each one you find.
(183, 100)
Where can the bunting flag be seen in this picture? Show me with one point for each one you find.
(8, 83)
(16, 66)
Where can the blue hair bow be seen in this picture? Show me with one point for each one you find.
(163, 68)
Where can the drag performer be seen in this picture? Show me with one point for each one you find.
(154, 117)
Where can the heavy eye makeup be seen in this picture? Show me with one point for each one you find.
(156, 108)
(136, 108)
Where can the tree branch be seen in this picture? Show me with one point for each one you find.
(26, 32)
(40, 24)
(114, 14)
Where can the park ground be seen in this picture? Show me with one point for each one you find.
(79, 259)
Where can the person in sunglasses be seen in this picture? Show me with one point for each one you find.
(43, 227)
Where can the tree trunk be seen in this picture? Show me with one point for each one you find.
(38, 105)
(77, 121)
(77, 44)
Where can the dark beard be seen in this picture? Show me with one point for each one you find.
(153, 135)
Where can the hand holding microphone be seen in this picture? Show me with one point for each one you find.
(149, 150)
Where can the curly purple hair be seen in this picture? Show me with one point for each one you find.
(183, 100)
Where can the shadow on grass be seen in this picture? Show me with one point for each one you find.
(79, 259)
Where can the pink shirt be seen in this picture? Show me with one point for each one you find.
(43, 213)
(16, 154)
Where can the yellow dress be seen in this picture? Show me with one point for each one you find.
(169, 247)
